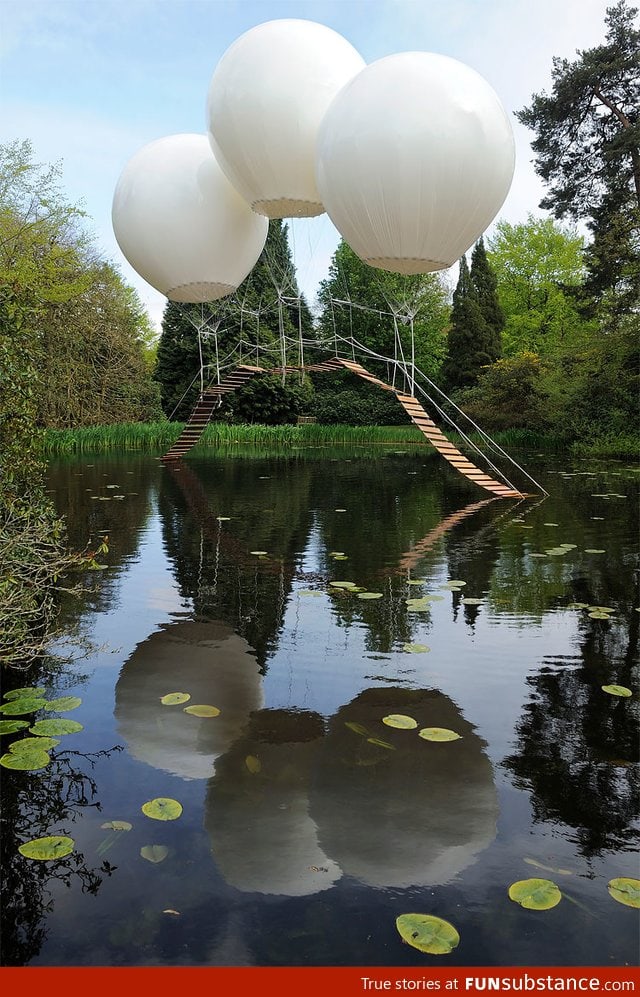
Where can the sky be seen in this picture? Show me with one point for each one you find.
(89, 82)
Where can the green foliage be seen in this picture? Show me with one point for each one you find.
(486, 286)
(588, 153)
(267, 400)
(471, 343)
(509, 394)
(344, 398)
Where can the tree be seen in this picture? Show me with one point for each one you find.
(471, 343)
(538, 266)
(587, 150)
(486, 285)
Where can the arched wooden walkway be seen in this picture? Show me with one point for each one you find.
(212, 396)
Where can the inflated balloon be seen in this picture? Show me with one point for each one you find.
(181, 224)
(415, 157)
(267, 97)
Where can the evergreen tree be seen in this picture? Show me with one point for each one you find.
(588, 152)
(178, 360)
(486, 285)
(469, 343)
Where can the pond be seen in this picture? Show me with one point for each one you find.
(308, 822)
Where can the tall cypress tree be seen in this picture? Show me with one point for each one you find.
(486, 286)
(178, 360)
(467, 335)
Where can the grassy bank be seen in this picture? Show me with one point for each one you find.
(160, 435)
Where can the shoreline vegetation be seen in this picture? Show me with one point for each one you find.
(160, 435)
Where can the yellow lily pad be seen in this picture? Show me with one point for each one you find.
(617, 690)
(175, 698)
(162, 808)
(428, 933)
(202, 711)
(625, 890)
(400, 721)
(253, 764)
(46, 849)
(535, 894)
(439, 734)
(415, 648)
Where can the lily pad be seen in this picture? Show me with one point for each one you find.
(370, 595)
(18, 707)
(154, 853)
(253, 764)
(415, 648)
(117, 825)
(175, 698)
(617, 690)
(577, 605)
(625, 891)
(259, 553)
(25, 761)
(223, 519)
(439, 734)
(52, 728)
(45, 849)
(162, 808)
(28, 692)
(535, 894)
(599, 616)
(29, 743)
(594, 550)
(601, 609)
(11, 726)
(428, 933)
(472, 602)
(63, 705)
(357, 728)
(202, 711)
(400, 721)
(343, 585)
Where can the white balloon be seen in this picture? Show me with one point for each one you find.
(415, 157)
(181, 224)
(267, 97)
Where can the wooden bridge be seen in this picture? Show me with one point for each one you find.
(213, 395)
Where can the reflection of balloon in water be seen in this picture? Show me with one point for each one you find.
(209, 661)
(413, 816)
(267, 97)
(181, 224)
(415, 158)
(257, 808)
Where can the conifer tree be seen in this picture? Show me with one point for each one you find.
(486, 286)
(468, 336)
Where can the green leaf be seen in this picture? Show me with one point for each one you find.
(63, 705)
(625, 891)
(154, 853)
(253, 764)
(175, 698)
(535, 894)
(18, 707)
(11, 726)
(29, 692)
(400, 721)
(45, 849)
(202, 711)
(617, 690)
(415, 648)
(474, 602)
(343, 585)
(439, 734)
(370, 595)
(25, 761)
(428, 933)
(594, 550)
(52, 728)
(162, 808)
(117, 825)
(29, 743)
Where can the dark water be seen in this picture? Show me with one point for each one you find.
(302, 837)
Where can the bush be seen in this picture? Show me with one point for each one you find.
(510, 394)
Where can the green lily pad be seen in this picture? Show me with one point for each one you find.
(63, 705)
(259, 553)
(370, 595)
(594, 550)
(46, 849)
(11, 726)
(428, 933)
(415, 581)
(223, 519)
(162, 808)
(175, 698)
(202, 711)
(617, 690)
(25, 761)
(599, 616)
(29, 743)
(400, 721)
(601, 609)
(253, 764)
(343, 585)
(625, 891)
(535, 894)
(52, 728)
(415, 648)
(577, 605)
(18, 707)
(340, 557)
(29, 692)
(117, 825)
(472, 602)
(154, 853)
(439, 734)
(308, 592)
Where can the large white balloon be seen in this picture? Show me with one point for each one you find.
(181, 224)
(415, 158)
(267, 97)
